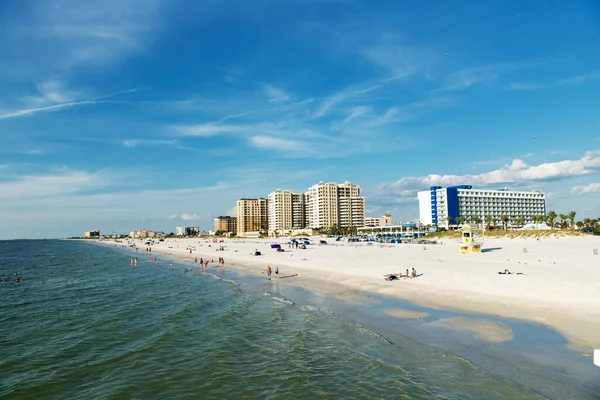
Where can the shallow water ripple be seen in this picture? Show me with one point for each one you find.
(86, 325)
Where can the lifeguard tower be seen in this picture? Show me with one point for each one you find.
(471, 241)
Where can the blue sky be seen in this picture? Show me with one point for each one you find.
(129, 114)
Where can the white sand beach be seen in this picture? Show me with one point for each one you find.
(559, 286)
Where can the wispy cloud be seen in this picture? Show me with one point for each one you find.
(190, 217)
(487, 75)
(59, 183)
(329, 103)
(276, 95)
(96, 32)
(400, 59)
(207, 130)
(52, 92)
(587, 189)
(141, 142)
(571, 81)
(55, 92)
(31, 111)
(356, 112)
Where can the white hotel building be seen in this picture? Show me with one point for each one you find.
(437, 204)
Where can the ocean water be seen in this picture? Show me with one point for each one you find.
(84, 324)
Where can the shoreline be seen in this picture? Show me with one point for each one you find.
(336, 274)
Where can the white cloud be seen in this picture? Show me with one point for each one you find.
(517, 172)
(130, 143)
(32, 186)
(591, 188)
(274, 143)
(275, 94)
(190, 217)
(136, 143)
(206, 130)
(171, 217)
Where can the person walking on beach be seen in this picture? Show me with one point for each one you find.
(269, 272)
(201, 262)
(276, 272)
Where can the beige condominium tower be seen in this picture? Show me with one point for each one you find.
(225, 224)
(330, 204)
(252, 216)
(286, 211)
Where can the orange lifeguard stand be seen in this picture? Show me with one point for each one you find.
(471, 242)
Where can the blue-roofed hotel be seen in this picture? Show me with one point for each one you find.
(437, 204)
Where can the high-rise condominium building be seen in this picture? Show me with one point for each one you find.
(225, 224)
(252, 215)
(286, 211)
(329, 204)
(437, 204)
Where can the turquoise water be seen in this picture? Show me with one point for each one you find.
(84, 324)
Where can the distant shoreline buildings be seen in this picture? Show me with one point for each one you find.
(145, 234)
(95, 234)
(334, 207)
(322, 206)
(187, 230)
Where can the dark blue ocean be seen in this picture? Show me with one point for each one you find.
(84, 324)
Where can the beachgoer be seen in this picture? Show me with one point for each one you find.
(196, 260)
(201, 261)
(269, 272)
(407, 275)
(414, 273)
(276, 272)
(19, 279)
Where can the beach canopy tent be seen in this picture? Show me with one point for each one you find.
(275, 246)
(306, 242)
(323, 242)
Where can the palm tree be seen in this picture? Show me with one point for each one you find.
(571, 216)
(477, 220)
(580, 224)
(449, 219)
(551, 216)
(489, 220)
(521, 221)
(563, 220)
(504, 219)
